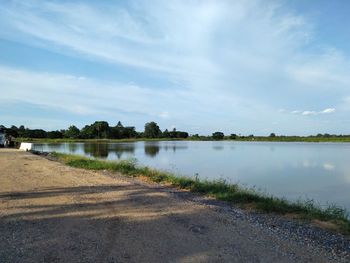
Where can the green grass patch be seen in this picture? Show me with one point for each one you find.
(219, 189)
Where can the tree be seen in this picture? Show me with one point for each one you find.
(21, 131)
(97, 130)
(129, 132)
(54, 135)
(233, 136)
(13, 131)
(117, 132)
(166, 133)
(101, 129)
(181, 134)
(72, 132)
(36, 133)
(195, 136)
(218, 135)
(152, 130)
(272, 135)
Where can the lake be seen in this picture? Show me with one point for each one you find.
(318, 171)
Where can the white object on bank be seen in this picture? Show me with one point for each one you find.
(26, 146)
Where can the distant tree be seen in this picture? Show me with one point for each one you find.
(72, 132)
(166, 133)
(13, 131)
(152, 130)
(120, 132)
(117, 131)
(54, 135)
(272, 135)
(233, 136)
(36, 133)
(97, 130)
(101, 129)
(218, 136)
(182, 135)
(86, 132)
(21, 130)
(129, 132)
(119, 125)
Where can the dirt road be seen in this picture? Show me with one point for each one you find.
(53, 213)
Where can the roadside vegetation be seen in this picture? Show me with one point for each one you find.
(221, 190)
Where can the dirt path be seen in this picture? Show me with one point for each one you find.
(53, 213)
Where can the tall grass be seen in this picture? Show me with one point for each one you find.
(219, 189)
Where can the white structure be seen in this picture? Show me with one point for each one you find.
(25, 146)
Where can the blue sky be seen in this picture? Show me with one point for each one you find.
(249, 67)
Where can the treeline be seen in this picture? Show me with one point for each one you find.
(102, 130)
(97, 130)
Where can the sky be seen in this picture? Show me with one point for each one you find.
(244, 67)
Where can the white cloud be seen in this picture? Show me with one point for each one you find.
(328, 110)
(231, 63)
(307, 112)
(312, 112)
(90, 97)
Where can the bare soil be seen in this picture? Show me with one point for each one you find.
(53, 213)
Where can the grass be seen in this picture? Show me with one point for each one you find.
(220, 190)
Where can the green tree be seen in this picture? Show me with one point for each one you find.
(166, 134)
(218, 135)
(101, 129)
(152, 130)
(72, 132)
(272, 135)
(233, 136)
(54, 135)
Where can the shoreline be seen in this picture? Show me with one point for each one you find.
(332, 218)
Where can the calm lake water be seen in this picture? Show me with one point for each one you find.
(319, 171)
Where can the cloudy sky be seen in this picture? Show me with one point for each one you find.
(249, 67)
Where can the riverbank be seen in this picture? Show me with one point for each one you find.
(335, 217)
(50, 212)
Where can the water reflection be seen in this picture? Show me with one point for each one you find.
(97, 150)
(218, 148)
(152, 150)
(170, 148)
(104, 150)
(120, 149)
(72, 147)
(328, 166)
